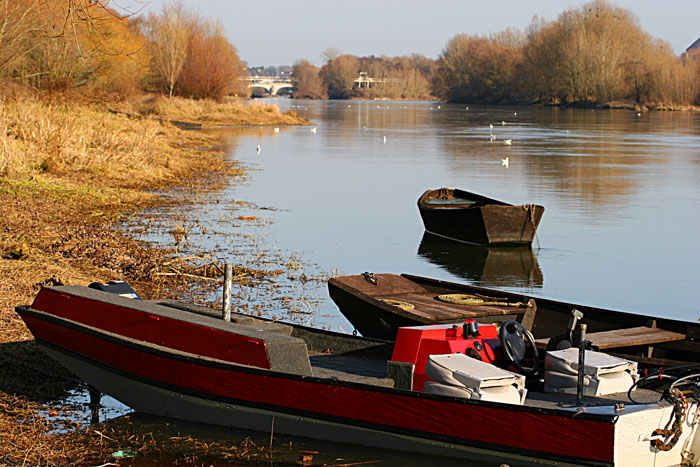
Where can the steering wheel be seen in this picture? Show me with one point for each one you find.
(515, 339)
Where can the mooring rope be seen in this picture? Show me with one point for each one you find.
(467, 299)
(530, 209)
(399, 304)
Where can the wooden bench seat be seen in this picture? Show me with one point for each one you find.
(628, 337)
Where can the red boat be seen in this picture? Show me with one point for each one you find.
(422, 393)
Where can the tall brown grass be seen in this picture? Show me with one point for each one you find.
(210, 112)
(38, 138)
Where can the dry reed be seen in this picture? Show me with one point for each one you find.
(208, 112)
(68, 173)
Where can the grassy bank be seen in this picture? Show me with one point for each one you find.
(209, 113)
(68, 174)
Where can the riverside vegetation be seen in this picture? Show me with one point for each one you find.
(593, 55)
(69, 173)
(87, 97)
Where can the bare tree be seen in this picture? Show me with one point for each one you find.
(168, 35)
(339, 76)
(307, 81)
(21, 24)
(330, 54)
(212, 67)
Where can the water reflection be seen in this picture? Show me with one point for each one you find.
(487, 266)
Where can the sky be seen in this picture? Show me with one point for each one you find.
(274, 32)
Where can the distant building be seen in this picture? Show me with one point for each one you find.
(275, 70)
(694, 47)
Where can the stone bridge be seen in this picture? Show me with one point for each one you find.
(271, 84)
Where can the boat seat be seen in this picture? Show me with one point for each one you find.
(628, 337)
(457, 375)
(603, 374)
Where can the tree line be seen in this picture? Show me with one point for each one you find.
(594, 54)
(393, 77)
(65, 44)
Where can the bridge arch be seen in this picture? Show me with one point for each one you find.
(271, 84)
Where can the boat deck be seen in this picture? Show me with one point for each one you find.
(363, 370)
(350, 368)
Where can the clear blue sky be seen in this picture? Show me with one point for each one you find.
(275, 32)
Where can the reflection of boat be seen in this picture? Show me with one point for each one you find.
(489, 266)
(174, 359)
(379, 306)
(472, 218)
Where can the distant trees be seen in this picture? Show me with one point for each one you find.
(394, 78)
(477, 69)
(594, 54)
(339, 75)
(307, 81)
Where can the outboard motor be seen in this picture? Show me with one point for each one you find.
(570, 339)
(120, 288)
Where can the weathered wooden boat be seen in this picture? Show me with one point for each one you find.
(472, 218)
(491, 266)
(173, 359)
(377, 305)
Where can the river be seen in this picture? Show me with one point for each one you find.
(621, 194)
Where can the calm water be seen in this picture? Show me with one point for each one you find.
(621, 228)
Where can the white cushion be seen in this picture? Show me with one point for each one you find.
(459, 370)
(595, 363)
(457, 375)
(504, 394)
(601, 385)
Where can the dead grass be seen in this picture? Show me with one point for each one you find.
(68, 174)
(210, 113)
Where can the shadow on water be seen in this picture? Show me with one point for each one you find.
(27, 372)
(488, 266)
(160, 442)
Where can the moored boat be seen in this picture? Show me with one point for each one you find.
(179, 360)
(377, 305)
(471, 218)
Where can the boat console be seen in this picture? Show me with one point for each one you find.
(505, 348)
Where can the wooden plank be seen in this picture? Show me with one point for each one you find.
(628, 337)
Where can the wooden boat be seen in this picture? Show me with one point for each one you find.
(178, 360)
(374, 309)
(471, 218)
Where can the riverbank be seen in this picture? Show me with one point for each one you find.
(69, 174)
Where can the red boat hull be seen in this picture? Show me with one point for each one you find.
(193, 362)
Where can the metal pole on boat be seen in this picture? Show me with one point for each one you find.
(228, 277)
(581, 364)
